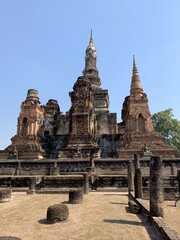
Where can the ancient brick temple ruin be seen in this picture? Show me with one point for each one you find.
(88, 127)
(88, 136)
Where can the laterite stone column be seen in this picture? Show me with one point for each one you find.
(130, 176)
(177, 203)
(32, 186)
(137, 178)
(86, 183)
(156, 187)
(178, 179)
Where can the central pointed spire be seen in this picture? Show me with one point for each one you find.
(91, 48)
(135, 71)
(136, 86)
(90, 70)
(91, 39)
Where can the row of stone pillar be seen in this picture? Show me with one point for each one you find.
(178, 179)
(156, 190)
(32, 184)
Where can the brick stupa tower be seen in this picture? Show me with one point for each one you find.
(139, 135)
(26, 143)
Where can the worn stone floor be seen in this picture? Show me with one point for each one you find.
(102, 216)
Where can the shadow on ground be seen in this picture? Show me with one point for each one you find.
(9, 238)
(127, 210)
(66, 202)
(118, 194)
(121, 203)
(144, 222)
(42, 221)
(123, 222)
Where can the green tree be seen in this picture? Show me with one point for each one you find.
(168, 126)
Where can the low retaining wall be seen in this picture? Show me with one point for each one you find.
(51, 192)
(103, 166)
(99, 183)
(159, 225)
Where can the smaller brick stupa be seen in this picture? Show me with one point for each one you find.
(137, 128)
(26, 143)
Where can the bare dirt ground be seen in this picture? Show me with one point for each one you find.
(172, 215)
(102, 216)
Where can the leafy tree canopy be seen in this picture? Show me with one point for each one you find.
(168, 126)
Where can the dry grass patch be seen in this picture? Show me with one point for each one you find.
(101, 216)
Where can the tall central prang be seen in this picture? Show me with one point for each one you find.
(89, 112)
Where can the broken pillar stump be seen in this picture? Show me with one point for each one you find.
(57, 213)
(5, 195)
(32, 186)
(177, 203)
(54, 170)
(156, 190)
(76, 197)
(134, 208)
(86, 183)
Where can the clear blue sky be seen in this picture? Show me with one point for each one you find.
(43, 42)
